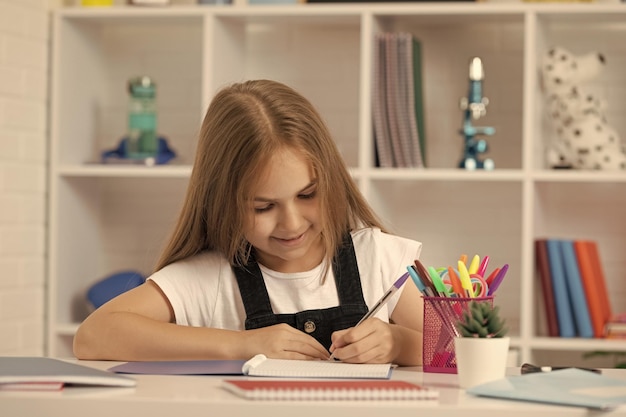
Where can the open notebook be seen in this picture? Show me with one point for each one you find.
(41, 373)
(260, 365)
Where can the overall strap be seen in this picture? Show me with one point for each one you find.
(256, 299)
(347, 277)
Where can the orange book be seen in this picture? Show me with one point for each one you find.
(594, 284)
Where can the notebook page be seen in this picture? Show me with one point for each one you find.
(260, 365)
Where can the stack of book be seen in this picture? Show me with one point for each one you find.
(397, 106)
(574, 289)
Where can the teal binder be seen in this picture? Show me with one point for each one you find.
(562, 301)
(576, 290)
(572, 387)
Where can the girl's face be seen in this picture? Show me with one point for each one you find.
(284, 222)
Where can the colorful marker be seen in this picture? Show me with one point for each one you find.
(423, 273)
(482, 269)
(498, 279)
(492, 276)
(455, 282)
(418, 282)
(473, 266)
(436, 279)
(465, 279)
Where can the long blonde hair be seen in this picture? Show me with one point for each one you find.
(245, 124)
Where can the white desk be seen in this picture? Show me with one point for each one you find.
(189, 396)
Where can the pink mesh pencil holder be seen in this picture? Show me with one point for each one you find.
(440, 317)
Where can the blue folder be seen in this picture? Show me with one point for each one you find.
(576, 290)
(573, 387)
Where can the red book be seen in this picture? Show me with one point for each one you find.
(543, 268)
(594, 284)
(285, 389)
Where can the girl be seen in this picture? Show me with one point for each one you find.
(275, 252)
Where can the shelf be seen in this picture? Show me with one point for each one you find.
(159, 171)
(126, 12)
(577, 344)
(579, 176)
(409, 174)
(461, 9)
(434, 174)
(106, 217)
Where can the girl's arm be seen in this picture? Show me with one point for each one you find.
(139, 325)
(408, 317)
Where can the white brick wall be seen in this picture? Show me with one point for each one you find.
(24, 47)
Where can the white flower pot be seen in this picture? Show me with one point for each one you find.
(480, 360)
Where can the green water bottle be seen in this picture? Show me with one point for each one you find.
(142, 118)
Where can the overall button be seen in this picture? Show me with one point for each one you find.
(309, 326)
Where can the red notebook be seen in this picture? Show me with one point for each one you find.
(543, 268)
(285, 389)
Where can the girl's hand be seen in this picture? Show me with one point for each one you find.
(373, 341)
(281, 341)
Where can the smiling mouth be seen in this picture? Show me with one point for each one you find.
(291, 240)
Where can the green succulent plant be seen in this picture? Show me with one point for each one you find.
(481, 319)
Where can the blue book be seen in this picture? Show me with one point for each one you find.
(576, 290)
(564, 313)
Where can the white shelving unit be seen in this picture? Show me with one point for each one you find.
(108, 218)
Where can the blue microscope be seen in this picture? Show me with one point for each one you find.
(475, 107)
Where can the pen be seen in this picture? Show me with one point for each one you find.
(498, 279)
(380, 303)
(528, 368)
(383, 300)
(418, 282)
(423, 274)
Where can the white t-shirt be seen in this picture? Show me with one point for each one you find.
(203, 289)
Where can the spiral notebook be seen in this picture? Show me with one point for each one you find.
(283, 389)
(260, 365)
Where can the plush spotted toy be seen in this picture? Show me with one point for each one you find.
(583, 139)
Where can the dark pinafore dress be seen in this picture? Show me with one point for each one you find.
(318, 323)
